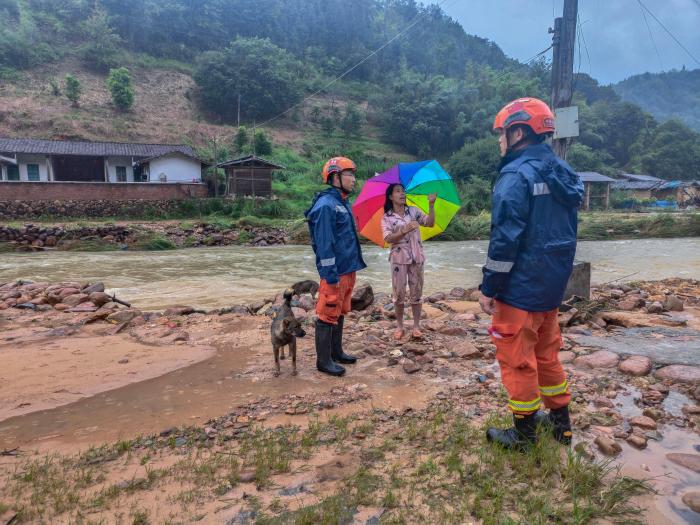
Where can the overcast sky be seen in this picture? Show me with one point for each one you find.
(618, 40)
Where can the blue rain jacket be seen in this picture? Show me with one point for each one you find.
(533, 230)
(333, 236)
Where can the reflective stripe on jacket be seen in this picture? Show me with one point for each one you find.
(333, 236)
(533, 230)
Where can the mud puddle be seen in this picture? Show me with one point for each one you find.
(237, 374)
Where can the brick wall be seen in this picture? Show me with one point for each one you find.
(99, 191)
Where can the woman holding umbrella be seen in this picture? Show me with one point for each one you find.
(400, 229)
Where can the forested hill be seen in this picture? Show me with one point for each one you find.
(674, 94)
(432, 92)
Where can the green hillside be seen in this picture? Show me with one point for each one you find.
(670, 95)
(430, 92)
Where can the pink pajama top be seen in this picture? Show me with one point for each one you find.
(409, 249)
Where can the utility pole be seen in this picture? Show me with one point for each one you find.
(563, 40)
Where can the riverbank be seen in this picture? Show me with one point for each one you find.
(400, 436)
(217, 231)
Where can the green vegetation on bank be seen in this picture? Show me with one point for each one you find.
(430, 466)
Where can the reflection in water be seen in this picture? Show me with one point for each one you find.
(214, 277)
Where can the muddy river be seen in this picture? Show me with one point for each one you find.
(215, 277)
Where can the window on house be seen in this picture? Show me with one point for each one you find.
(12, 172)
(121, 173)
(33, 173)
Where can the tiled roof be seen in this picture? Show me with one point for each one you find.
(92, 149)
(634, 185)
(251, 160)
(639, 178)
(592, 176)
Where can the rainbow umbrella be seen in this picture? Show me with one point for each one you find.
(419, 179)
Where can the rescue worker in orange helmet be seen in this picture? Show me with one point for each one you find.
(338, 256)
(530, 259)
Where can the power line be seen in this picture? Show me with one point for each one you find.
(651, 35)
(669, 32)
(585, 46)
(410, 26)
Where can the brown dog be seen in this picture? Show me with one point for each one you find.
(306, 287)
(284, 330)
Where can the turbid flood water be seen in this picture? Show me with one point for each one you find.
(216, 277)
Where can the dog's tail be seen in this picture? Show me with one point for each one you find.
(288, 294)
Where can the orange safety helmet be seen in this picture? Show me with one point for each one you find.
(531, 112)
(337, 165)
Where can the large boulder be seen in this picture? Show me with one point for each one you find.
(636, 365)
(599, 359)
(689, 461)
(680, 374)
(673, 304)
(362, 297)
(97, 287)
(123, 316)
(99, 298)
(76, 299)
(178, 310)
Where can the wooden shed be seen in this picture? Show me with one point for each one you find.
(596, 189)
(249, 176)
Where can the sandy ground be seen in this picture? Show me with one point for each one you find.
(44, 367)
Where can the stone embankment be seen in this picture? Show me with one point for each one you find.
(137, 236)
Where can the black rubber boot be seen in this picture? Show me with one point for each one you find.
(519, 437)
(324, 342)
(337, 347)
(560, 422)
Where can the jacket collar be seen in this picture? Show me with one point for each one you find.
(533, 152)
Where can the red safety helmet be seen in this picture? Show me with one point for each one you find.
(337, 165)
(531, 112)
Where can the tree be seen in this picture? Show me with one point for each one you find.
(267, 78)
(476, 159)
(352, 121)
(101, 49)
(241, 140)
(263, 145)
(670, 152)
(327, 125)
(119, 84)
(73, 89)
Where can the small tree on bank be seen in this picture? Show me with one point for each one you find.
(263, 145)
(241, 140)
(73, 89)
(119, 84)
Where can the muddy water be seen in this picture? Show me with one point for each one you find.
(215, 277)
(237, 374)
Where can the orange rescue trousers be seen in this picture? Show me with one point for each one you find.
(334, 300)
(527, 349)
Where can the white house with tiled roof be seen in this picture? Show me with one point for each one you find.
(34, 160)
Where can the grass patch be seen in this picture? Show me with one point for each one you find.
(432, 466)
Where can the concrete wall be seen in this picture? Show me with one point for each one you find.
(93, 191)
(176, 168)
